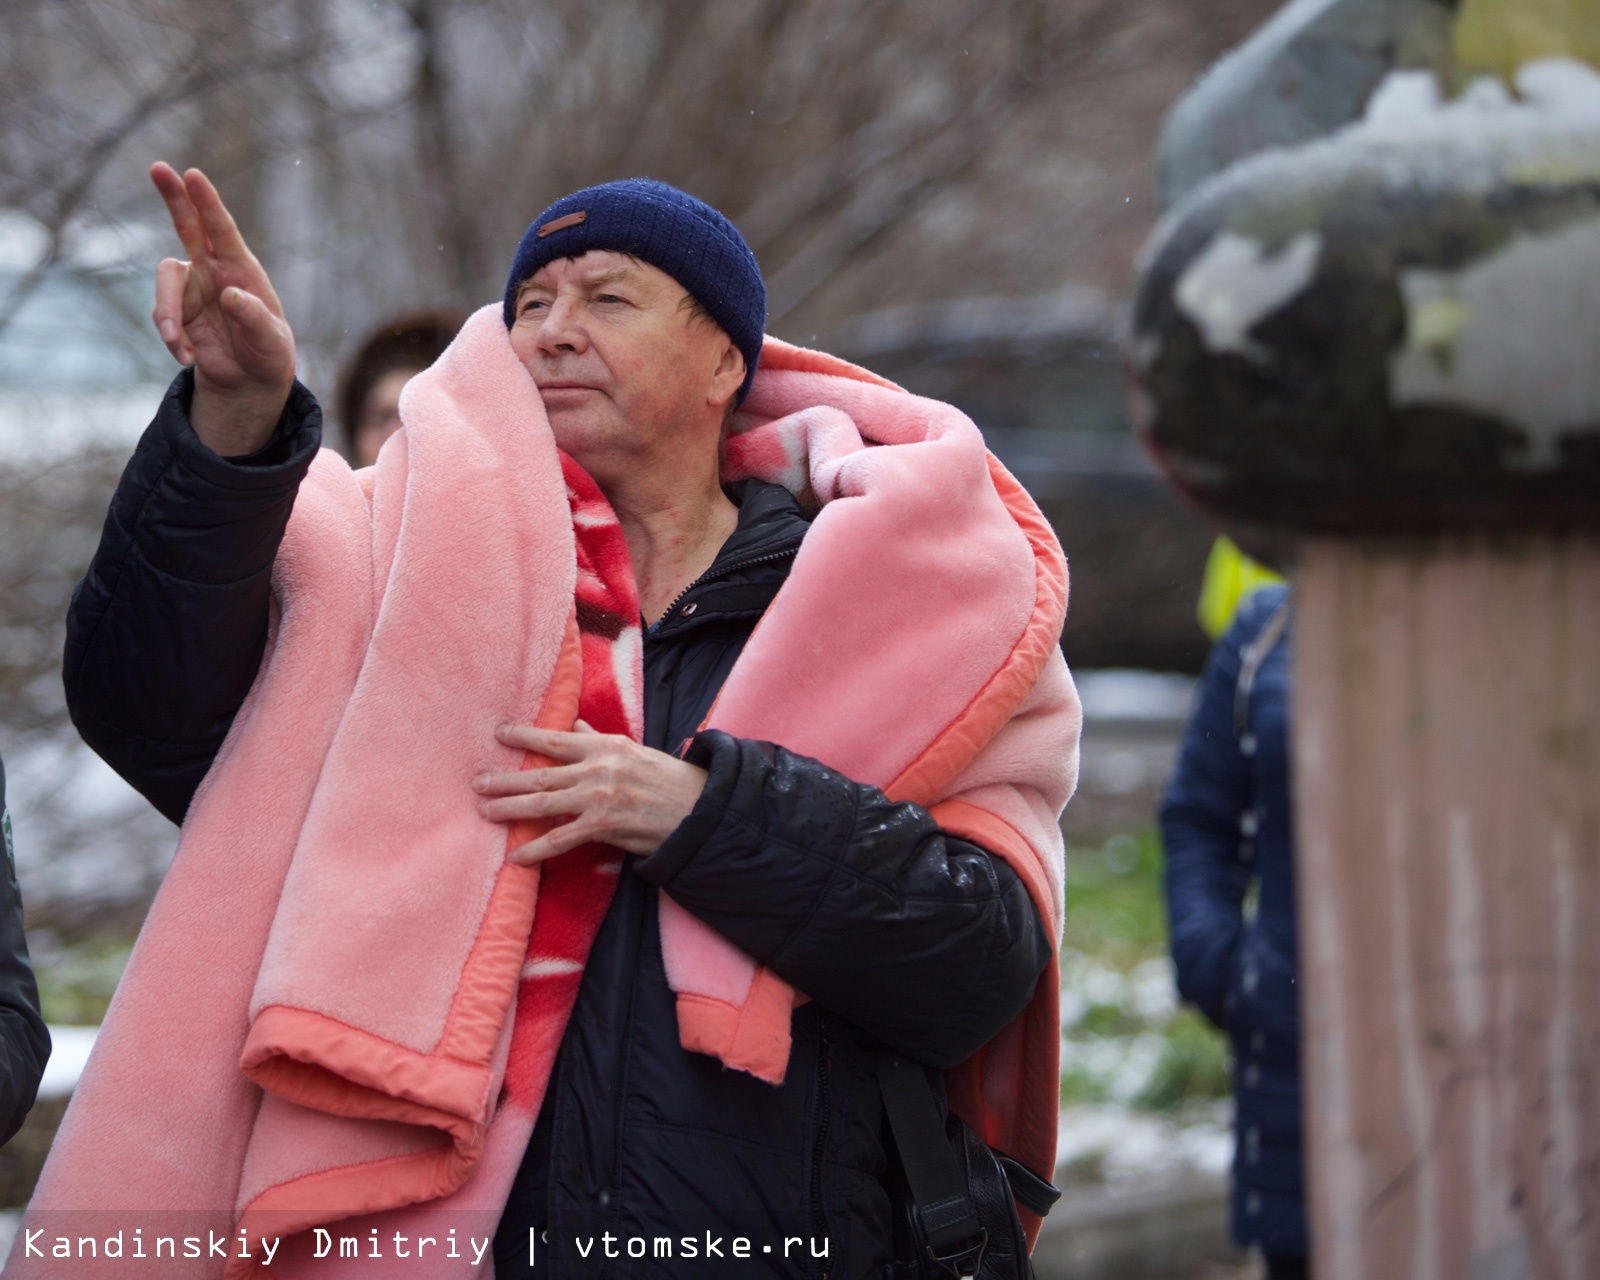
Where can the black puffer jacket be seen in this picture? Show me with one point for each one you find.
(24, 1039)
(865, 905)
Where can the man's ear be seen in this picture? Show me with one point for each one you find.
(729, 375)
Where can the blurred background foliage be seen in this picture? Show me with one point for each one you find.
(1125, 1038)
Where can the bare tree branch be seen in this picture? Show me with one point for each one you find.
(70, 194)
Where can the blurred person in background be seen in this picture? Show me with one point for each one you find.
(1227, 829)
(24, 1039)
(372, 379)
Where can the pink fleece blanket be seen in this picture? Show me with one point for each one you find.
(344, 1006)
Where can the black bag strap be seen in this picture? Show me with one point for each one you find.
(938, 1188)
(1028, 1189)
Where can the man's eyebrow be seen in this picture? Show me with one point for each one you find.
(613, 276)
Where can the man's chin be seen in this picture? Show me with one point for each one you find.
(575, 433)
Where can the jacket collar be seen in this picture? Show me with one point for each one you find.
(770, 520)
(752, 564)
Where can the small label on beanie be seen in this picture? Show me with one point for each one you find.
(561, 224)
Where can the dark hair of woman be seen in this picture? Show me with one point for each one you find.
(407, 344)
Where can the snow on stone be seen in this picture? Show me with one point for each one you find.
(1511, 336)
(1506, 335)
(1412, 138)
(1553, 96)
(1403, 95)
(1236, 283)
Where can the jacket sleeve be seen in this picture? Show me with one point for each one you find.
(166, 630)
(1200, 816)
(923, 939)
(24, 1039)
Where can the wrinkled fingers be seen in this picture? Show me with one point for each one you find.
(537, 804)
(550, 778)
(570, 747)
(556, 841)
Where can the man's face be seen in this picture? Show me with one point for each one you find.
(622, 366)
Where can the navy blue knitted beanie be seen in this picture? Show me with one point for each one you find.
(669, 229)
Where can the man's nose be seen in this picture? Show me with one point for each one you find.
(562, 329)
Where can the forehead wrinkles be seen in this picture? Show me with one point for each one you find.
(594, 269)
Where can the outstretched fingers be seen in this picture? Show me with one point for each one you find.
(220, 228)
(524, 780)
(185, 217)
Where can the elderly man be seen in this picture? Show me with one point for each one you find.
(638, 312)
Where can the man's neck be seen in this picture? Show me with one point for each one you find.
(674, 523)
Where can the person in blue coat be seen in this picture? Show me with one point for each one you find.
(1228, 832)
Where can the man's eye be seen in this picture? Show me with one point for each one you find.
(609, 297)
(530, 304)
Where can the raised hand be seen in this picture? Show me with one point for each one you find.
(219, 312)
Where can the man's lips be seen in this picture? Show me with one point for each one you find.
(564, 386)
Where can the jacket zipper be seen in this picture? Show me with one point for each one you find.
(820, 1223)
(712, 574)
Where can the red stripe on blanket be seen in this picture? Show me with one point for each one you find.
(576, 888)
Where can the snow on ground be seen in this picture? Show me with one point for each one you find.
(1121, 1145)
(1113, 1141)
(1152, 696)
(69, 1051)
(1146, 994)
(1132, 721)
(1146, 991)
